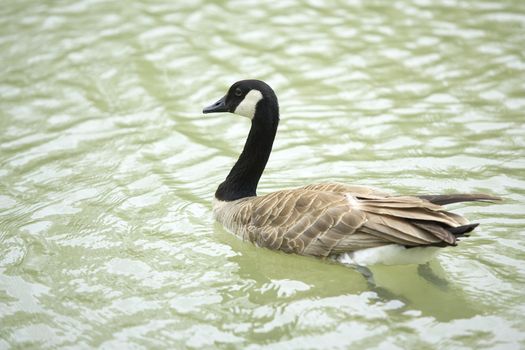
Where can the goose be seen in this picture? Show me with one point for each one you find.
(351, 224)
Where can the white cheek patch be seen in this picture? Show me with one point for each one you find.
(247, 106)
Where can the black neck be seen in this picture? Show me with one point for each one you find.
(243, 178)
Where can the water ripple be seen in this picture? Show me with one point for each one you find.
(109, 167)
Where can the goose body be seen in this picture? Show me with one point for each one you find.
(352, 224)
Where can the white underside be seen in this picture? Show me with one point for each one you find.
(392, 254)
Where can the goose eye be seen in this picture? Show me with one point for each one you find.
(238, 92)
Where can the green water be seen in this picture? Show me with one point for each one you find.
(108, 169)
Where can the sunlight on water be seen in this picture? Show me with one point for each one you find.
(108, 169)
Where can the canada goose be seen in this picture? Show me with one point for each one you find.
(353, 224)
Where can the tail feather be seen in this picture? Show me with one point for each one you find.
(457, 232)
(462, 230)
(444, 199)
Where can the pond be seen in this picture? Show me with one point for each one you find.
(108, 170)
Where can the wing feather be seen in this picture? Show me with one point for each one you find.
(333, 218)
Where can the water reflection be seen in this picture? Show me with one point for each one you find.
(287, 278)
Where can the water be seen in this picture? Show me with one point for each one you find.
(108, 169)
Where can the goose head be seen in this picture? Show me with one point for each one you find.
(253, 99)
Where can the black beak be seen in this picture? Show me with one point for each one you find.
(219, 106)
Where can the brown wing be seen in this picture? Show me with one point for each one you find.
(332, 218)
(356, 191)
(407, 220)
(304, 221)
